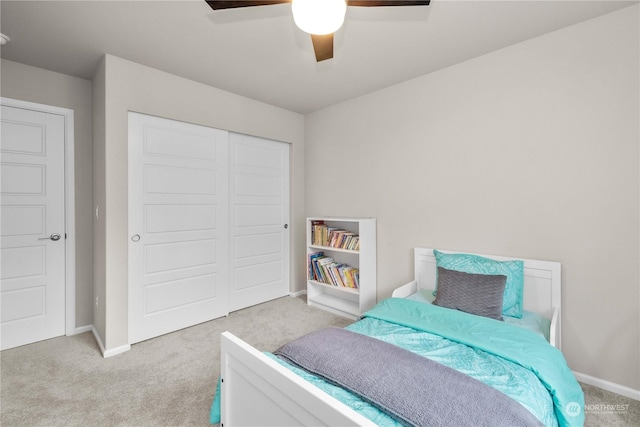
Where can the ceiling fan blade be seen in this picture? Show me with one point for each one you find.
(322, 46)
(232, 4)
(377, 3)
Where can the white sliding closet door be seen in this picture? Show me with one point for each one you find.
(259, 220)
(178, 225)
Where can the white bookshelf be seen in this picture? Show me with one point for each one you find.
(342, 300)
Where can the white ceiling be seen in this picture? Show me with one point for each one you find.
(259, 52)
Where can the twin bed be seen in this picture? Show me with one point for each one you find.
(415, 361)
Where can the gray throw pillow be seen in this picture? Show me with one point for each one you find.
(478, 294)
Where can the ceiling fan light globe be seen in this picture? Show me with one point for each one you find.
(319, 16)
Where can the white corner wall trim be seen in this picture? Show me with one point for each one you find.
(297, 294)
(607, 385)
(112, 352)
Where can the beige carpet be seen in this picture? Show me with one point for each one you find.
(170, 380)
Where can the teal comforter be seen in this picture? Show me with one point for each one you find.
(488, 337)
(517, 362)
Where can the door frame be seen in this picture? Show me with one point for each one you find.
(69, 203)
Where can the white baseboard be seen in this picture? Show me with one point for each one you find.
(297, 294)
(607, 385)
(82, 329)
(117, 350)
(112, 352)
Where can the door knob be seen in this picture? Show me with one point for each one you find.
(135, 238)
(54, 237)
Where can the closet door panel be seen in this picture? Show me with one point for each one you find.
(259, 206)
(208, 224)
(178, 225)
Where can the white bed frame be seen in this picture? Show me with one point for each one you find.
(257, 391)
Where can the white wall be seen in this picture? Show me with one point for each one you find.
(126, 86)
(530, 151)
(33, 84)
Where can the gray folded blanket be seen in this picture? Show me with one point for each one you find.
(413, 389)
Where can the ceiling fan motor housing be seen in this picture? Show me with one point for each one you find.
(320, 18)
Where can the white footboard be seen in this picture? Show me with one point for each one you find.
(257, 391)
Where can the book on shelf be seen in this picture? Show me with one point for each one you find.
(311, 257)
(323, 264)
(324, 235)
(350, 277)
(317, 227)
(325, 269)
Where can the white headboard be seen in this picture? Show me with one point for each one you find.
(542, 284)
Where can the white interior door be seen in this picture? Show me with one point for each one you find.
(178, 225)
(32, 291)
(259, 220)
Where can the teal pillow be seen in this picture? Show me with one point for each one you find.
(474, 264)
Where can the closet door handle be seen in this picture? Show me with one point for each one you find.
(286, 226)
(135, 238)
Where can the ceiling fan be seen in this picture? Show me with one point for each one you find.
(319, 18)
